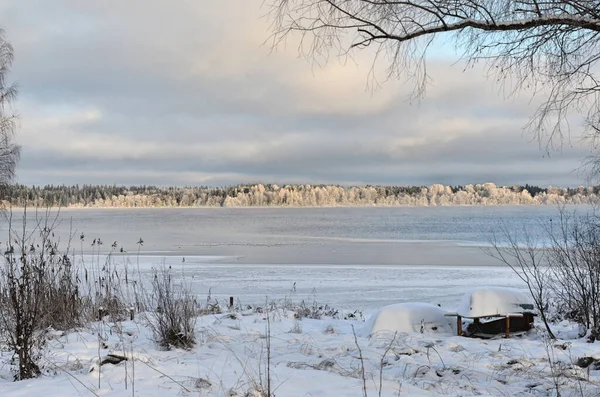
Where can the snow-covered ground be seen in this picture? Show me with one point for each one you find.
(308, 357)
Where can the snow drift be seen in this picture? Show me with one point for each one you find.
(409, 317)
(492, 301)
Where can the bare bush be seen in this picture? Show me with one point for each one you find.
(108, 292)
(314, 310)
(38, 289)
(563, 277)
(174, 318)
(530, 262)
(575, 261)
(43, 286)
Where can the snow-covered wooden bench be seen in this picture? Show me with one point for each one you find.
(495, 310)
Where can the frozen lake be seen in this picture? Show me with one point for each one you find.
(361, 236)
(350, 258)
(349, 287)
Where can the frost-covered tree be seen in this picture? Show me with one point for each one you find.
(551, 47)
(9, 152)
(295, 195)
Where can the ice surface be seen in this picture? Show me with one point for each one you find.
(362, 236)
(349, 258)
(409, 317)
(489, 301)
(346, 287)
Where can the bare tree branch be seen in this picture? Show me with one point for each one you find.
(548, 47)
(9, 152)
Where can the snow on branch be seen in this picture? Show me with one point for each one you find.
(547, 48)
(545, 20)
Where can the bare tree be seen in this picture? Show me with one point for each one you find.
(547, 46)
(530, 262)
(9, 152)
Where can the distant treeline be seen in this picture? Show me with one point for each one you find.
(256, 195)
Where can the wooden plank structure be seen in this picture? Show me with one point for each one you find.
(505, 323)
(494, 311)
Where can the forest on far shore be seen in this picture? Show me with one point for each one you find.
(259, 195)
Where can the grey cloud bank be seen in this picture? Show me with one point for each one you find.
(184, 93)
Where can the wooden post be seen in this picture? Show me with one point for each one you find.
(131, 313)
(458, 325)
(508, 326)
(231, 301)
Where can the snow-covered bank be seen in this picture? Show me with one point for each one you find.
(308, 357)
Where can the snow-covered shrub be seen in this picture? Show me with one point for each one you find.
(314, 310)
(409, 317)
(174, 318)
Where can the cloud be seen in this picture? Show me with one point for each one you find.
(185, 92)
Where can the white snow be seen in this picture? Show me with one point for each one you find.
(309, 357)
(230, 356)
(409, 317)
(490, 301)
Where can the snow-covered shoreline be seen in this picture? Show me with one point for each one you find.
(317, 337)
(316, 357)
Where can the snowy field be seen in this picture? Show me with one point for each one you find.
(313, 356)
(307, 357)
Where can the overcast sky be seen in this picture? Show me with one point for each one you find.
(182, 92)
